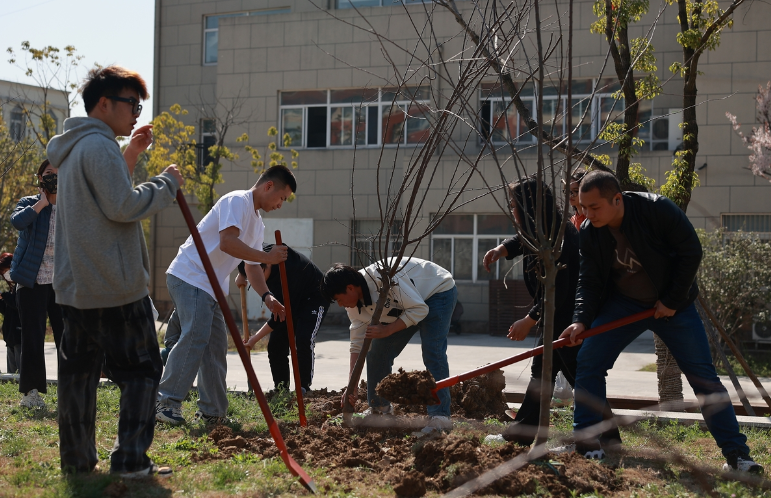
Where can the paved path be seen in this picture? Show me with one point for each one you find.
(465, 353)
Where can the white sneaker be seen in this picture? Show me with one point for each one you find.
(586, 452)
(742, 464)
(32, 399)
(438, 423)
(389, 410)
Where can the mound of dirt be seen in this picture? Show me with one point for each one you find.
(412, 484)
(416, 466)
(480, 397)
(408, 388)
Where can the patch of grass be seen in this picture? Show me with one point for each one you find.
(226, 473)
(760, 364)
(650, 367)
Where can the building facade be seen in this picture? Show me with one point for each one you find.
(21, 107)
(320, 74)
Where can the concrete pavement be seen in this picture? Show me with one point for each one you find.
(465, 352)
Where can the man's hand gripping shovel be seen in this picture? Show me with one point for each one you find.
(451, 381)
(293, 466)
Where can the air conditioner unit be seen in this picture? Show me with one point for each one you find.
(761, 331)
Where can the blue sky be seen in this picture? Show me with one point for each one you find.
(103, 31)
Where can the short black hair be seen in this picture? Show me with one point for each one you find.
(606, 182)
(110, 81)
(525, 194)
(281, 176)
(5, 261)
(337, 279)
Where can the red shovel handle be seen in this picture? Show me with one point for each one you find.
(293, 466)
(290, 332)
(451, 381)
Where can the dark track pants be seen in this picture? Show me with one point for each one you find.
(307, 318)
(123, 339)
(35, 305)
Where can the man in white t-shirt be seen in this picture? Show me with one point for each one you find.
(232, 231)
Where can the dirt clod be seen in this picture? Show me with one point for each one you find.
(408, 388)
(481, 396)
(115, 489)
(412, 484)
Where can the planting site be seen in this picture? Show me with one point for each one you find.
(391, 450)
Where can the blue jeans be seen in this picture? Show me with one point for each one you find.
(685, 337)
(201, 350)
(433, 342)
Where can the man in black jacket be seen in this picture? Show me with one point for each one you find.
(639, 251)
(523, 195)
(308, 310)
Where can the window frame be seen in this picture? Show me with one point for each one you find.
(245, 13)
(476, 258)
(17, 124)
(403, 103)
(491, 96)
(380, 3)
(355, 237)
(204, 148)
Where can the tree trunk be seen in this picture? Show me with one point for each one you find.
(669, 374)
(549, 296)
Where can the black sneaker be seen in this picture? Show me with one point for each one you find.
(742, 463)
(201, 418)
(168, 414)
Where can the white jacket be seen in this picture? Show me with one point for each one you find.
(414, 283)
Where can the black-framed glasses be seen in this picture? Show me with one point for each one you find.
(136, 107)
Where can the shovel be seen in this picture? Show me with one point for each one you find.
(290, 333)
(451, 381)
(293, 466)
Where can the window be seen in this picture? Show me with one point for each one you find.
(365, 249)
(356, 117)
(758, 223)
(501, 121)
(18, 124)
(211, 30)
(460, 242)
(208, 138)
(349, 4)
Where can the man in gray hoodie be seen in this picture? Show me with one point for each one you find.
(102, 273)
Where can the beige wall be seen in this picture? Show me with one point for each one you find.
(13, 95)
(308, 49)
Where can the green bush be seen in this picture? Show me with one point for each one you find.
(735, 277)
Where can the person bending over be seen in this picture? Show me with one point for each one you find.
(639, 251)
(309, 307)
(421, 298)
(523, 202)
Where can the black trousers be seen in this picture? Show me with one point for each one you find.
(307, 318)
(35, 305)
(123, 340)
(563, 360)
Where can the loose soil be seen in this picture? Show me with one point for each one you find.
(479, 398)
(408, 388)
(414, 466)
